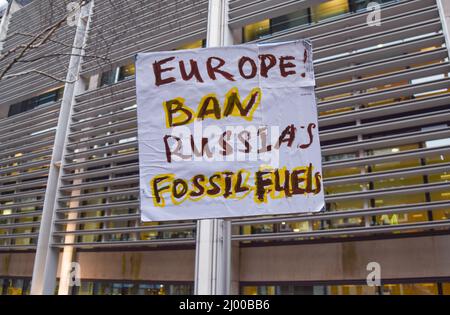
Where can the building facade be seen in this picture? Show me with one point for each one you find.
(383, 95)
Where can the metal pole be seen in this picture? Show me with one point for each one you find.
(213, 247)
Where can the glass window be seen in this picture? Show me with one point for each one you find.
(395, 164)
(401, 218)
(441, 214)
(180, 289)
(15, 287)
(393, 150)
(108, 77)
(246, 229)
(345, 188)
(343, 223)
(37, 101)
(103, 288)
(341, 172)
(351, 290)
(262, 228)
(361, 5)
(446, 288)
(294, 290)
(132, 288)
(290, 20)
(256, 30)
(90, 238)
(357, 5)
(440, 196)
(197, 44)
(117, 289)
(335, 111)
(258, 290)
(397, 182)
(151, 289)
(22, 241)
(150, 234)
(126, 71)
(129, 289)
(304, 16)
(442, 158)
(294, 227)
(438, 142)
(346, 289)
(337, 157)
(400, 199)
(86, 288)
(411, 289)
(439, 178)
(430, 79)
(329, 9)
(346, 205)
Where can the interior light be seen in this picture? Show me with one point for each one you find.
(395, 150)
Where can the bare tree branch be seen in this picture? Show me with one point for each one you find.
(52, 40)
(18, 74)
(103, 42)
(36, 41)
(63, 54)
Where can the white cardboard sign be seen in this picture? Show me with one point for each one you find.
(228, 132)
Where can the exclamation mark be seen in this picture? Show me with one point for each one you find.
(305, 59)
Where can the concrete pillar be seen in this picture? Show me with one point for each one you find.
(13, 6)
(47, 258)
(4, 23)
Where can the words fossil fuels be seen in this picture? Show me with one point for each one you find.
(228, 132)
